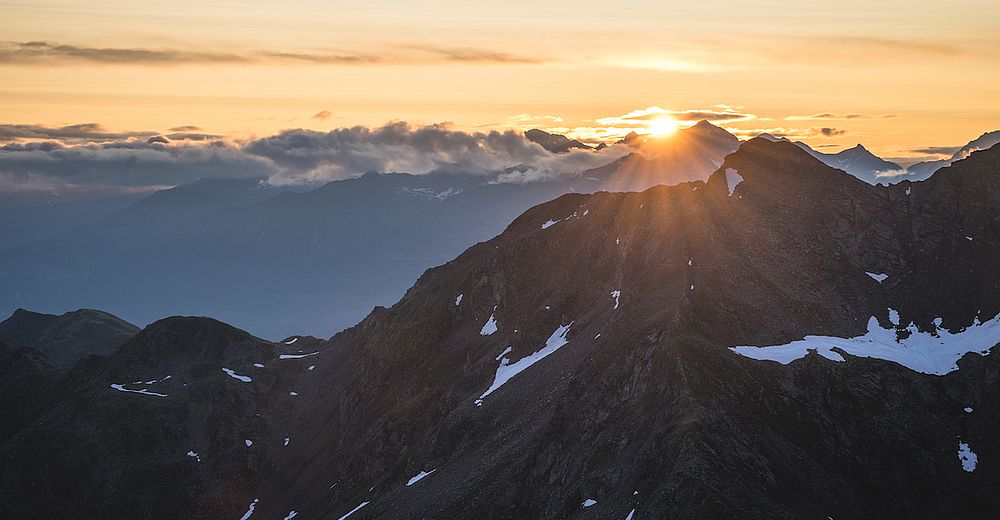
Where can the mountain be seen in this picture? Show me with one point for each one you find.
(613, 355)
(42, 274)
(857, 161)
(554, 143)
(27, 216)
(688, 155)
(323, 258)
(66, 339)
(923, 170)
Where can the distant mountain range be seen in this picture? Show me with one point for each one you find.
(780, 340)
(278, 262)
(861, 163)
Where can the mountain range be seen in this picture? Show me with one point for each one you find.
(325, 256)
(778, 340)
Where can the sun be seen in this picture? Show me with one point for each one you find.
(662, 126)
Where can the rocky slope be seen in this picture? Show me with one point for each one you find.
(579, 366)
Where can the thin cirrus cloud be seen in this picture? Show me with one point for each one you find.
(834, 116)
(79, 132)
(719, 114)
(789, 133)
(937, 150)
(322, 115)
(48, 53)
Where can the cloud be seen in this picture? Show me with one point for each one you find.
(185, 128)
(637, 117)
(192, 136)
(322, 115)
(938, 150)
(297, 156)
(310, 156)
(833, 116)
(85, 131)
(38, 52)
(889, 175)
(789, 133)
(131, 164)
(48, 53)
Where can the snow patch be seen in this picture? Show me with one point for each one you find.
(293, 393)
(878, 277)
(733, 179)
(293, 340)
(506, 370)
(291, 515)
(458, 300)
(589, 502)
(248, 442)
(894, 317)
(234, 375)
(549, 223)
(311, 367)
(143, 391)
(286, 441)
(355, 510)
(967, 457)
(297, 356)
(250, 509)
(416, 478)
(933, 353)
(258, 365)
(969, 238)
(491, 324)
(504, 353)
(630, 514)
(616, 294)
(967, 409)
(194, 455)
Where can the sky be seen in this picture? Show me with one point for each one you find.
(904, 78)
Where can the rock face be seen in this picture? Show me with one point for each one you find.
(607, 379)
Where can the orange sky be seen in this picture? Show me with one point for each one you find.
(899, 76)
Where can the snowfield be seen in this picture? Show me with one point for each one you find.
(934, 353)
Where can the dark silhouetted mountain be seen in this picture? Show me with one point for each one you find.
(857, 161)
(68, 338)
(312, 262)
(554, 143)
(581, 365)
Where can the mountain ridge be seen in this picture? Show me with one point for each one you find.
(644, 408)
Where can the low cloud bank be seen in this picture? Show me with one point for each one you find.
(38, 157)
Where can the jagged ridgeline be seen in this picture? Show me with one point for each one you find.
(782, 340)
